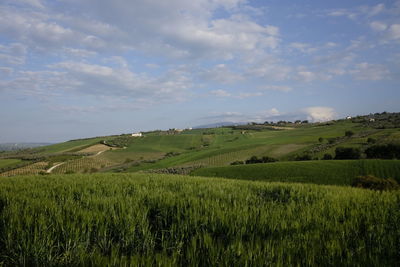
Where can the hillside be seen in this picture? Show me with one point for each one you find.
(327, 172)
(182, 151)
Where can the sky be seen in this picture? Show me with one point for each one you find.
(82, 68)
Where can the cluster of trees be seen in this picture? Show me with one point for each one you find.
(255, 160)
(387, 151)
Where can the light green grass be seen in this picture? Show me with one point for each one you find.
(161, 220)
(332, 172)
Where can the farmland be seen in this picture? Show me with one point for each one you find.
(334, 172)
(150, 220)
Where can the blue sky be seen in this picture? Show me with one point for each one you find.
(82, 68)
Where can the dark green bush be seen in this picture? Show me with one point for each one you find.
(327, 157)
(347, 153)
(375, 183)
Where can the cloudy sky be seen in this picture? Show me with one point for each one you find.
(81, 68)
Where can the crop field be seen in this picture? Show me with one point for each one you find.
(9, 162)
(164, 220)
(34, 168)
(86, 164)
(95, 148)
(332, 172)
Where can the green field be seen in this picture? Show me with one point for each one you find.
(164, 220)
(331, 172)
(4, 163)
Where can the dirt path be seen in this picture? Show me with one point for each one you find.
(55, 166)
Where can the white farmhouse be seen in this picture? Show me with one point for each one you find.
(348, 117)
(137, 134)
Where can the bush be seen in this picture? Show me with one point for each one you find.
(303, 157)
(327, 157)
(238, 162)
(388, 151)
(347, 153)
(371, 140)
(255, 159)
(321, 139)
(349, 133)
(375, 183)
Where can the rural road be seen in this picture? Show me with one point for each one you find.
(55, 166)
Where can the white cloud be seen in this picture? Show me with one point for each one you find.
(222, 74)
(281, 88)
(220, 93)
(303, 47)
(318, 114)
(394, 32)
(378, 26)
(14, 53)
(367, 71)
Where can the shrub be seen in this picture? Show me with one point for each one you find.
(327, 157)
(238, 162)
(347, 153)
(349, 133)
(303, 157)
(388, 151)
(375, 183)
(321, 139)
(255, 159)
(371, 140)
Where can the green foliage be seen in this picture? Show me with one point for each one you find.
(387, 151)
(255, 159)
(347, 153)
(375, 183)
(349, 133)
(327, 157)
(161, 220)
(303, 157)
(327, 172)
(238, 162)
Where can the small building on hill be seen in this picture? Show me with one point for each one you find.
(137, 134)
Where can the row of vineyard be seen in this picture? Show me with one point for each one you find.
(34, 168)
(227, 158)
(87, 164)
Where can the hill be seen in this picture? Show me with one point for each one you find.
(182, 151)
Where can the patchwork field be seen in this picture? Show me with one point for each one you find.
(164, 220)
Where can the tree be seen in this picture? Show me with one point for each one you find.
(347, 153)
(348, 133)
(321, 139)
(327, 157)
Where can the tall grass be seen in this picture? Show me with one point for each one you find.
(162, 220)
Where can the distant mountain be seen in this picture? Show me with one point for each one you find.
(18, 146)
(219, 124)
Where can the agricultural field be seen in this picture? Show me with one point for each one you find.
(331, 172)
(165, 220)
(34, 168)
(4, 163)
(213, 147)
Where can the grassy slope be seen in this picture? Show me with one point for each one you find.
(9, 162)
(318, 172)
(70, 145)
(153, 220)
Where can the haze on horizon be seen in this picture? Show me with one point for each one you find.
(71, 69)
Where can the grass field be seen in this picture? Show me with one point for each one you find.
(332, 172)
(4, 163)
(163, 220)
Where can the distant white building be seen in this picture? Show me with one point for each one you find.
(371, 119)
(137, 134)
(348, 117)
